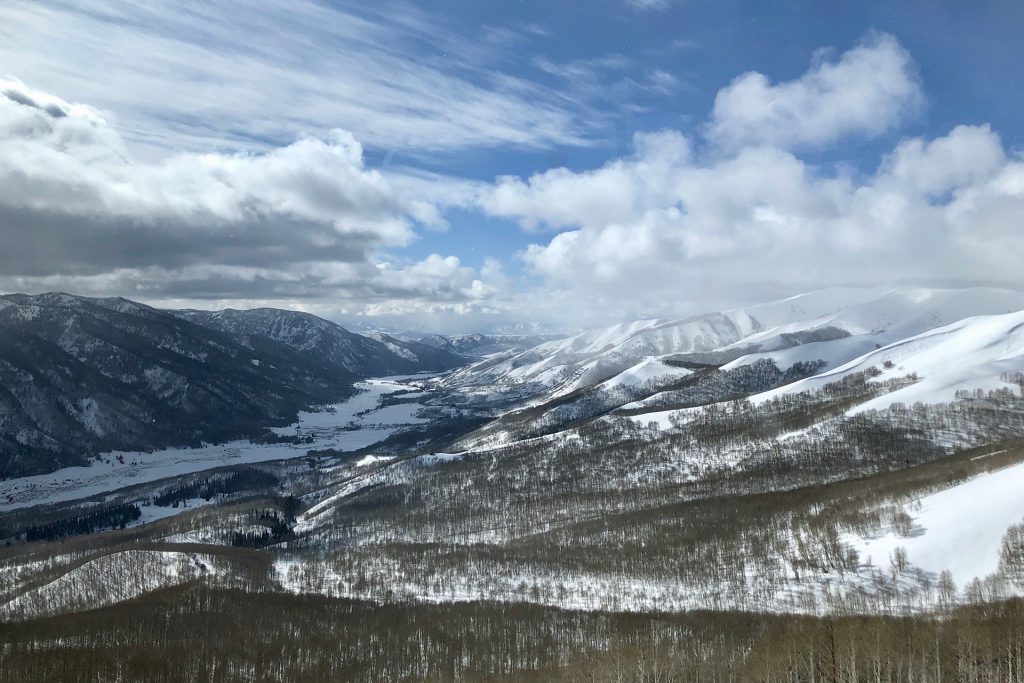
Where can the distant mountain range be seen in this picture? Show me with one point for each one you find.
(480, 345)
(834, 325)
(641, 365)
(367, 356)
(81, 376)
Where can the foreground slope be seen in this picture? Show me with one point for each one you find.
(961, 530)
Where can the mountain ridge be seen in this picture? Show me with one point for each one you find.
(80, 376)
(362, 355)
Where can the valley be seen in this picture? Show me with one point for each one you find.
(813, 457)
(441, 341)
(348, 426)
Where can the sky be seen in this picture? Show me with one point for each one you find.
(457, 166)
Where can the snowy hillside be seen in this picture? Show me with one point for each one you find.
(833, 325)
(565, 365)
(971, 517)
(653, 365)
(976, 353)
(870, 318)
(652, 370)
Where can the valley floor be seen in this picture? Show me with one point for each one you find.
(350, 426)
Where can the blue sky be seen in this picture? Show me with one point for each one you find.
(455, 165)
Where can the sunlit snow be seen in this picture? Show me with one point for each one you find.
(959, 529)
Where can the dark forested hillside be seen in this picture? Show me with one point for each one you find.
(191, 633)
(327, 342)
(80, 376)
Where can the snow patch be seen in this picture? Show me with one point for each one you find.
(373, 460)
(959, 529)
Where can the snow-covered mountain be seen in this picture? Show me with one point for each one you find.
(834, 325)
(365, 356)
(564, 365)
(655, 364)
(981, 352)
(868, 320)
(481, 345)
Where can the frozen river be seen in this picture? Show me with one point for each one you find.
(354, 424)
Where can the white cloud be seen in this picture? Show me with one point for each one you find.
(649, 5)
(966, 155)
(613, 82)
(308, 220)
(437, 278)
(75, 163)
(662, 81)
(662, 233)
(867, 91)
(680, 226)
(559, 198)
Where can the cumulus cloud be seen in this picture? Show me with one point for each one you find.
(680, 225)
(559, 198)
(763, 221)
(308, 220)
(965, 156)
(55, 170)
(439, 278)
(866, 91)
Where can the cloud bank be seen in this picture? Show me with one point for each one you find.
(304, 221)
(687, 223)
(867, 91)
(728, 213)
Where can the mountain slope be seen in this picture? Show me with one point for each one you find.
(326, 341)
(81, 376)
(869, 318)
(481, 345)
(424, 356)
(984, 352)
(972, 516)
(648, 365)
(835, 325)
(561, 366)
